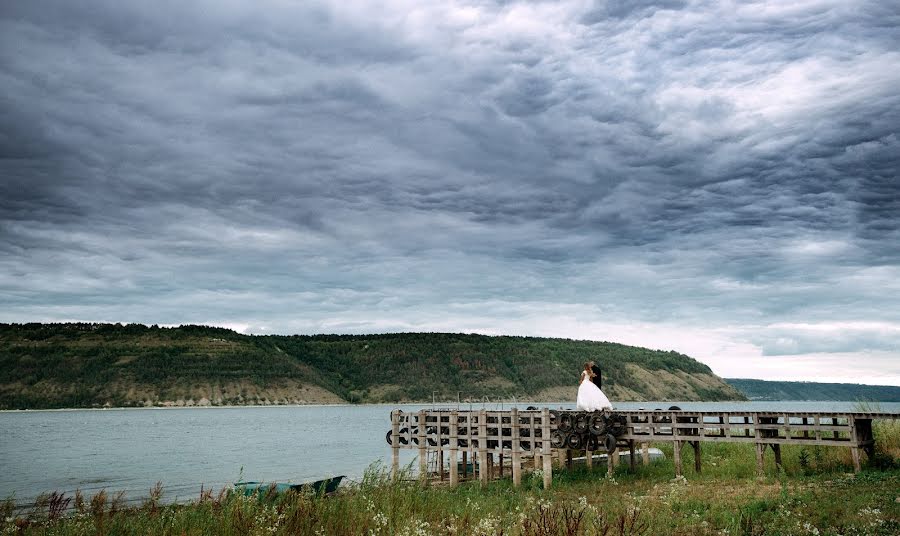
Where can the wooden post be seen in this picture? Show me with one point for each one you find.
(645, 453)
(423, 444)
(395, 444)
(538, 455)
(483, 469)
(454, 448)
(568, 458)
(589, 459)
(631, 453)
(545, 448)
(760, 447)
(516, 450)
(677, 455)
(696, 446)
(440, 448)
(760, 460)
(561, 457)
(465, 464)
(777, 449)
(610, 463)
(854, 442)
(677, 446)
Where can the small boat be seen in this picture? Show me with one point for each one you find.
(325, 486)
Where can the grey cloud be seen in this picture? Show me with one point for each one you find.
(664, 161)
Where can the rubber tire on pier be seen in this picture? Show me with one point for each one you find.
(591, 443)
(566, 420)
(597, 423)
(610, 443)
(575, 441)
(582, 421)
(616, 424)
(558, 439)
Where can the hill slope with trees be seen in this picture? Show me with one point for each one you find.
(775, 390)
(95, 365)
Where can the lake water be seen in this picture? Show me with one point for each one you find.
(131, 449)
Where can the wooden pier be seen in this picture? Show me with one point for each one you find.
(475, 438)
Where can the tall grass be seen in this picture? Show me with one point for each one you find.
(818, 496)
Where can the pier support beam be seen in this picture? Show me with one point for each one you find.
(454, 449)
(645, 453)
(423, 444)
(395, 444)
(760, 460)
(696, 445)
(516, 450)
(483, 471)
(677, 455)
(545, 448)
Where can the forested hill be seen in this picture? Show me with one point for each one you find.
(90, 365)
(772, 390)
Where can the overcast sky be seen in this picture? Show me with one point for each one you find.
(717, 178)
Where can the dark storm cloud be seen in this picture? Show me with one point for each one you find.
(318, 166)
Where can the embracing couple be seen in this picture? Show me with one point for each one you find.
(590, 396)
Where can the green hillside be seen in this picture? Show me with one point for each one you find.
(772, 390)
(90, 365)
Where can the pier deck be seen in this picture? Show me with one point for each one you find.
(519, 434)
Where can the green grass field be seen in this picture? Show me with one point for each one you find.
(816, 494)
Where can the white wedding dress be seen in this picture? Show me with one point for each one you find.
(590, 397)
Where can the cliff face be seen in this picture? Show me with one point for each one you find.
(91, 365)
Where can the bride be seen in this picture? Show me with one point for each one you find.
(590, 397)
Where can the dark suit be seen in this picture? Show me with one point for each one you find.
(598, 376)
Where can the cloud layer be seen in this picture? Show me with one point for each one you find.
(717, 178)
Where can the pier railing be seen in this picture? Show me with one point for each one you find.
(543, 435)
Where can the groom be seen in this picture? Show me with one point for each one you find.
(598, 376)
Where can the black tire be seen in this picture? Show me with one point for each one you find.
(597, 424)
(582, 421)
(591, 443)
(387, 438)
(617, 424)
(558, 439)
(463, 442)
(575, 441)
(610, 443)
(565, 422)
(526, 445)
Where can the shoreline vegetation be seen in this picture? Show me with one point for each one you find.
(815, 494)
(83, 365)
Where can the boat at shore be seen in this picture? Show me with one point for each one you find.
(325, 486)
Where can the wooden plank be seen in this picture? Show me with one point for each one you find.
(645, 453)
(395, 444)
(677, 455)
(423, 443)
(454, 448)
(696, 445)
(760, 467)
(516, 450)
(440, 448)
(482, 447)
(545, 449)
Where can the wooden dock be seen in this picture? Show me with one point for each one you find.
(544, 435)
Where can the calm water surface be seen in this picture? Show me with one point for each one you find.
(131, 449)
